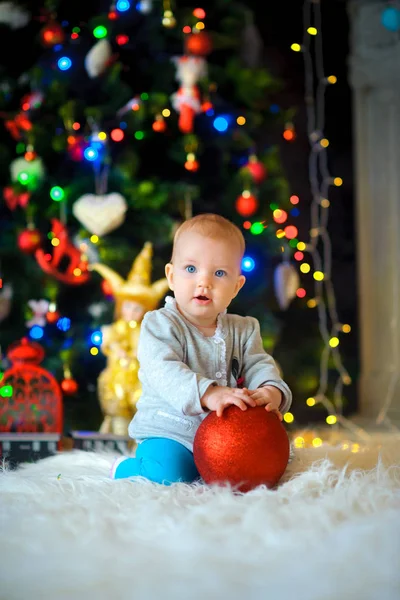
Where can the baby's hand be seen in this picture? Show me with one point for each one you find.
(218, 398)
(270, 396)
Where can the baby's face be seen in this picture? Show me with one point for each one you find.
(205, 276)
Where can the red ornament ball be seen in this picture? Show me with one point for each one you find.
(246, 204)
(257, 171)
(242, 448)
(199, 44)
(52, 34)
(69, 386)
(29, 240)
(52, 316)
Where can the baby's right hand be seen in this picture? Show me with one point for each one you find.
(218, 398)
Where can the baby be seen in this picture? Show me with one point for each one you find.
(194, 357)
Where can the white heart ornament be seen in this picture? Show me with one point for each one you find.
(100, 214)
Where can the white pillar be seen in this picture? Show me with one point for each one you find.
(374, 66)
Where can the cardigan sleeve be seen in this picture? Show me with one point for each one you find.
(259, 368)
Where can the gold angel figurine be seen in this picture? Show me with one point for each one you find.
(118, 384)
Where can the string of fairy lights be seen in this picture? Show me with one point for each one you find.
(319, 244)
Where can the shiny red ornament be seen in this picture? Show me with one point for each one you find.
(52, 34)
(257, 170)
(35, 404)
(29, 240)
(52, 316)
(246, 205)
(242, 448)
(198, 44)
(69, 386)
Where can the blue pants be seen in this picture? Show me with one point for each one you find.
(160, 460)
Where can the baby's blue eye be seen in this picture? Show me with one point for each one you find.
(220, 273)
(191, 269)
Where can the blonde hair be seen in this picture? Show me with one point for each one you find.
(212, 226)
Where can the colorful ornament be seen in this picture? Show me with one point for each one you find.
(52, 34)
(145, 6)
(65, 264)
(27, 172)
(76, 147)
(186, 101)
(256, 169)
(246, 204)
(242, 448)
(19, 124)
(159, 124)
(14, 198)
(52, 316)
(35, 401)
(39, 309)
(12, 15)
(286, 284)
(29, 240)
(69, 386)
(289, 132)
(98, 58)
(100, 214)
(198, 44)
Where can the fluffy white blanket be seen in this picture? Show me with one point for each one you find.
(329, 531)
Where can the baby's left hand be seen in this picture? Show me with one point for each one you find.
(270, 396)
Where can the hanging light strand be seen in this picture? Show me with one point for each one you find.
(319, 245)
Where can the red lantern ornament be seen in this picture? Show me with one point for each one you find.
(65, 264)
(34, 401)
(52, 34)
(198, 44)
(256, 169)
(29, 240)
(242, 448)
(246, 204)
(69, 386)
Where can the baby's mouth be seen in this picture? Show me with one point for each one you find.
(202, 299)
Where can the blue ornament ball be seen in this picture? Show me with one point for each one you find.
(390, 18)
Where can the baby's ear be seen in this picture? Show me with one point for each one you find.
(169, 274)
(240, 283)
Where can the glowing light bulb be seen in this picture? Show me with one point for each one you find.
(334, 342)
(318, 276)
(305, 268)
(288, 417)
(295, 47)
(312, 31)
(331, 419)
(310, 402)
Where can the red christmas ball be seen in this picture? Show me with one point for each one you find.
(198, 44)
(242, 448)
(29, 240)
(256, 170)
(52, 316)
(51, 34)
(69, 386)
(246, 204)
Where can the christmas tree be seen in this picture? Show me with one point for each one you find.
(120, 121)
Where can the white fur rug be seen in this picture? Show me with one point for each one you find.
(328, 532)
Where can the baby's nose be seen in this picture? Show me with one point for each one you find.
(204, 281)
